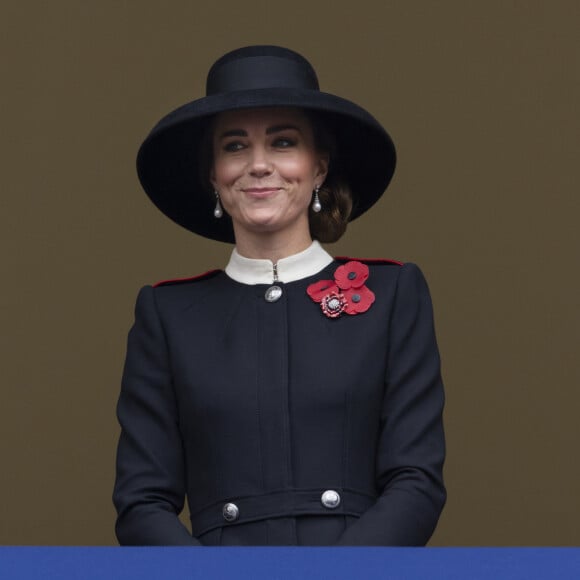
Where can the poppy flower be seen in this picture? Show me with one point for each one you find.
(358, 299)
(351, 275)
(346, 293)
(333, 304)
(320, 289)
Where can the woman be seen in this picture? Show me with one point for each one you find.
(294, 399)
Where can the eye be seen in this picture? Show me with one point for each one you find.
(233, 146)
(284, 142)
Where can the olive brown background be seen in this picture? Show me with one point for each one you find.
(481, 99)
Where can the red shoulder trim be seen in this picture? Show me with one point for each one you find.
(208, 274)
(370, 260)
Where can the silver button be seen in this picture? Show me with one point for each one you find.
(230, 512)
(330, 499)
(273, 293)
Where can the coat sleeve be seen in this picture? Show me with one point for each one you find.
(150, 484)
(411, 448)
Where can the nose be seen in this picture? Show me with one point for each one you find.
(260, 163)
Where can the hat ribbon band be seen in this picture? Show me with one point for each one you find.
(260, 72)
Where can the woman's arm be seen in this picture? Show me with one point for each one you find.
(150, 485)
(411, 449)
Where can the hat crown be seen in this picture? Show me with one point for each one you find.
(260, 67)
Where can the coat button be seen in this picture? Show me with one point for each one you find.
(330, 499)
(273, 294)
(231, 512)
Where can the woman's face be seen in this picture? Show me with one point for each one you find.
(265, 169)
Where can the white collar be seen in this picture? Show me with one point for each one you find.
(295, 267)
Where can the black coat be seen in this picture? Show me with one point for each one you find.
(230, 399)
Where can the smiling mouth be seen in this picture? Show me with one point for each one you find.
(260, 191)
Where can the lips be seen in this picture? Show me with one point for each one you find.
(260, 191)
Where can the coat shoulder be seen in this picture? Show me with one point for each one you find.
(370, 261)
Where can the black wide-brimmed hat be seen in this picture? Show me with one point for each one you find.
(254, 77)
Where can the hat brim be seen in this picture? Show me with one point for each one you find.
(167, 162)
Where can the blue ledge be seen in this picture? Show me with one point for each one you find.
(290, 563)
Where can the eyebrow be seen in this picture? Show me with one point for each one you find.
(278, 128)
(269, 131)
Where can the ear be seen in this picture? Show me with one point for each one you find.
(212, 178)
(322, 168)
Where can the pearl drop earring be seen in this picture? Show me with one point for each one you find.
(218, 211)
(316, 206)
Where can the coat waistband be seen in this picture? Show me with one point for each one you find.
(279, 504)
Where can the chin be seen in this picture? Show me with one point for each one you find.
(263, 220)
(269, 220)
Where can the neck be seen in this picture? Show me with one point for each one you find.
(271, 247)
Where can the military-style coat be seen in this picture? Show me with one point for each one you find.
(281, 424)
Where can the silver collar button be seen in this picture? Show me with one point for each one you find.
(273, 294)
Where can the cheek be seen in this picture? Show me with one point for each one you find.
(297, 169)
(226, 173)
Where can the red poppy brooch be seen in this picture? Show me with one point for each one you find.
(346, 293)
